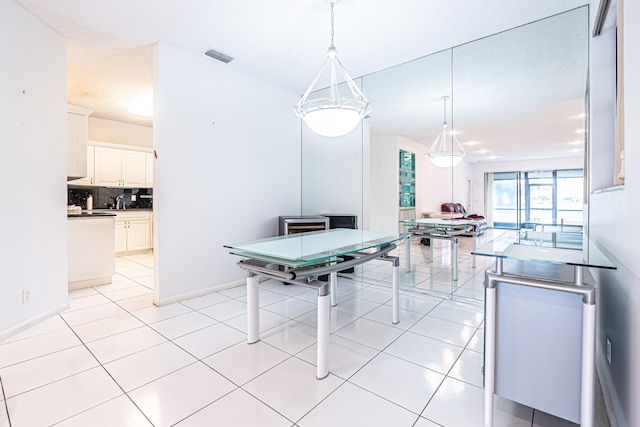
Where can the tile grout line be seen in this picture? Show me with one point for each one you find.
(4, 401)
(110, 376)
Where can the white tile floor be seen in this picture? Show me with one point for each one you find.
(114, 359)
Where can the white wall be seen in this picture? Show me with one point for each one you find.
(120, 133)
(333, 171)
(383, 207)
(477, 171)
(33, 155)
(613, 225)
(228, 164)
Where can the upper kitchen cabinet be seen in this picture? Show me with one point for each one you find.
(119, 168)
(77, 129)
(88, 180)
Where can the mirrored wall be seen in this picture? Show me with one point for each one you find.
(516, 102)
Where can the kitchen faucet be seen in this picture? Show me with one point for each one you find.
(118, 199)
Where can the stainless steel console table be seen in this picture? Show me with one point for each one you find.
(540, 310)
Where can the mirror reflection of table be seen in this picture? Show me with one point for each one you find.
(540, 306)
(441, 229)
(299, 259)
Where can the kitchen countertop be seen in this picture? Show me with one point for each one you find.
(86, 214)
(115, 211)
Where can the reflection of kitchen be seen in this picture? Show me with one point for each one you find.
(109, 195)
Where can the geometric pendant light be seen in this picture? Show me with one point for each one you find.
(336, 114)
(446, 151)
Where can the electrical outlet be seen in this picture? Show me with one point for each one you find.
(133, 197)
(609, 351)
(26, 295)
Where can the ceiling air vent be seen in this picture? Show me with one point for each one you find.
(219, 56)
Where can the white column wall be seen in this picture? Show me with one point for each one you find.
(228, 164)
(613, 218)
(33, 153)
(383, 208)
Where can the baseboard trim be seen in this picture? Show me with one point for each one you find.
(33, 321)
(606, 396)
(198, 293)
(89, 283)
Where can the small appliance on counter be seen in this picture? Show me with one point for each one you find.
(73, 209)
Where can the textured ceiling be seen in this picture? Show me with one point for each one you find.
(110, 55)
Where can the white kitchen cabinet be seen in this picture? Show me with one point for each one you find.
(115, 167)
(121, 236)
(149, 170)
(77, 130)
(108, 167)
(132, 231)
(91, 261)
(138, 235)
(88, 180)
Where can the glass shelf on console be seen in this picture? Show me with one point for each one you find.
(532, 247)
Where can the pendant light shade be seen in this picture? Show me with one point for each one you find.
(333, 115)
(446, 151)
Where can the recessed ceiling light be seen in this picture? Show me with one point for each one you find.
(576, 142)
(471, 143)
(579, 131)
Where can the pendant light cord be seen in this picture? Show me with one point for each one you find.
(332, 25)
(445, 110)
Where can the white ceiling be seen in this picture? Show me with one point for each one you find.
(110, 58)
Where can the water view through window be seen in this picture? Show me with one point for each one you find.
(524, 199)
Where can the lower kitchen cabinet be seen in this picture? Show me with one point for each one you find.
(91, 261)
(133, 231)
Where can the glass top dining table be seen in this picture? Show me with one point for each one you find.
(312, 248)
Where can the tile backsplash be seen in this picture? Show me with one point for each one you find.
(104, 198)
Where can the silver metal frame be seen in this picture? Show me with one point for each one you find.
(588, 292)
(307, 277)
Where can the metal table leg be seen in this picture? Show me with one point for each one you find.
(474, 234)
(323, 335)
(408, 252)
(490, 347)
(396, 292)
(455, 259)
(253, 314)
(333, 283)
(587, 386)
(431, 250)
(489, 355)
